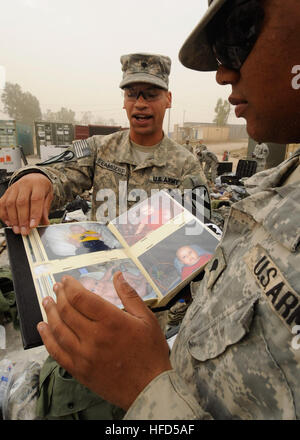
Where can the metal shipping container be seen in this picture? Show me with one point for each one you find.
(63, 133)
(81, 132)
(25, 137)
(8, 136)
(102, 129)
(14, 133)
(44, 135)
(53, 133)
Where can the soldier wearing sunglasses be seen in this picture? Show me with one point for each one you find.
(237, 354)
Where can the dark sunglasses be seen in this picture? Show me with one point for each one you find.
(233, 32)
(152, 94)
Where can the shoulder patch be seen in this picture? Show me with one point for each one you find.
(81, 149)
(281, 297)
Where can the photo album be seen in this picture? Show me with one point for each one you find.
(158, 245)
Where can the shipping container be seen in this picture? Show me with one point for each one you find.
(13, 133)
(81, 132)
(8, 135)
(53, 134)
(102, 129)
(25, 137)
(44, 135)
(64, 134)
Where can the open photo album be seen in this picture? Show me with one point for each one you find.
(158, 245)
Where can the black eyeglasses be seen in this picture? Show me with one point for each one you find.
(151, 94)
(233, 32)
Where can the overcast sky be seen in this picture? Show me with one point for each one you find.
(67, 53)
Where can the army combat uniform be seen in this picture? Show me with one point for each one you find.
(236, 355)
(189, 147)
(260, 153)
(211, 164)
(107, 164)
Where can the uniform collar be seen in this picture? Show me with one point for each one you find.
(276, 207)
(159, 158)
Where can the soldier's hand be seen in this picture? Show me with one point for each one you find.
(112, 352)
(26, 203)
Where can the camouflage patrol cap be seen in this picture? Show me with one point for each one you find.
(145, 68)
(196, 53)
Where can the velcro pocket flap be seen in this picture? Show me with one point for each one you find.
(220, 332)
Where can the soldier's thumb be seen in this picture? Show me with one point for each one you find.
(129, 297)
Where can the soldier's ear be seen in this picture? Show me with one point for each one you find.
(169, 100)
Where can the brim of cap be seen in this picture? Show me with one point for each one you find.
(196, 53)
(143, 78)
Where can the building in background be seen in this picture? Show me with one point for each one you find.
(208, 132)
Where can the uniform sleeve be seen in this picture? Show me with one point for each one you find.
(193, 174)
(166, 398)
(69, 178)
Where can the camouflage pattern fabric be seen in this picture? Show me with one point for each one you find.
(211, 164)
(260, 153)
(234, 356)
(109, 169)
(189, 147)
(148, 68)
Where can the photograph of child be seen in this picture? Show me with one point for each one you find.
(86, 240)
(178, 256)
(70, 239)
(190, 258)
(98, 278)
(146, 217)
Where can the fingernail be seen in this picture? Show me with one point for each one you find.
(46, 302)
(41, 327)
(56, 287)
(23, 230)
(32, 223)
(16, 229)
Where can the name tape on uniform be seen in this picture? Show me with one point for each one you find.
(165, 179)
(112, 167)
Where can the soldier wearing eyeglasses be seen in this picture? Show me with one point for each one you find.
(236, 355)
(121, 167)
